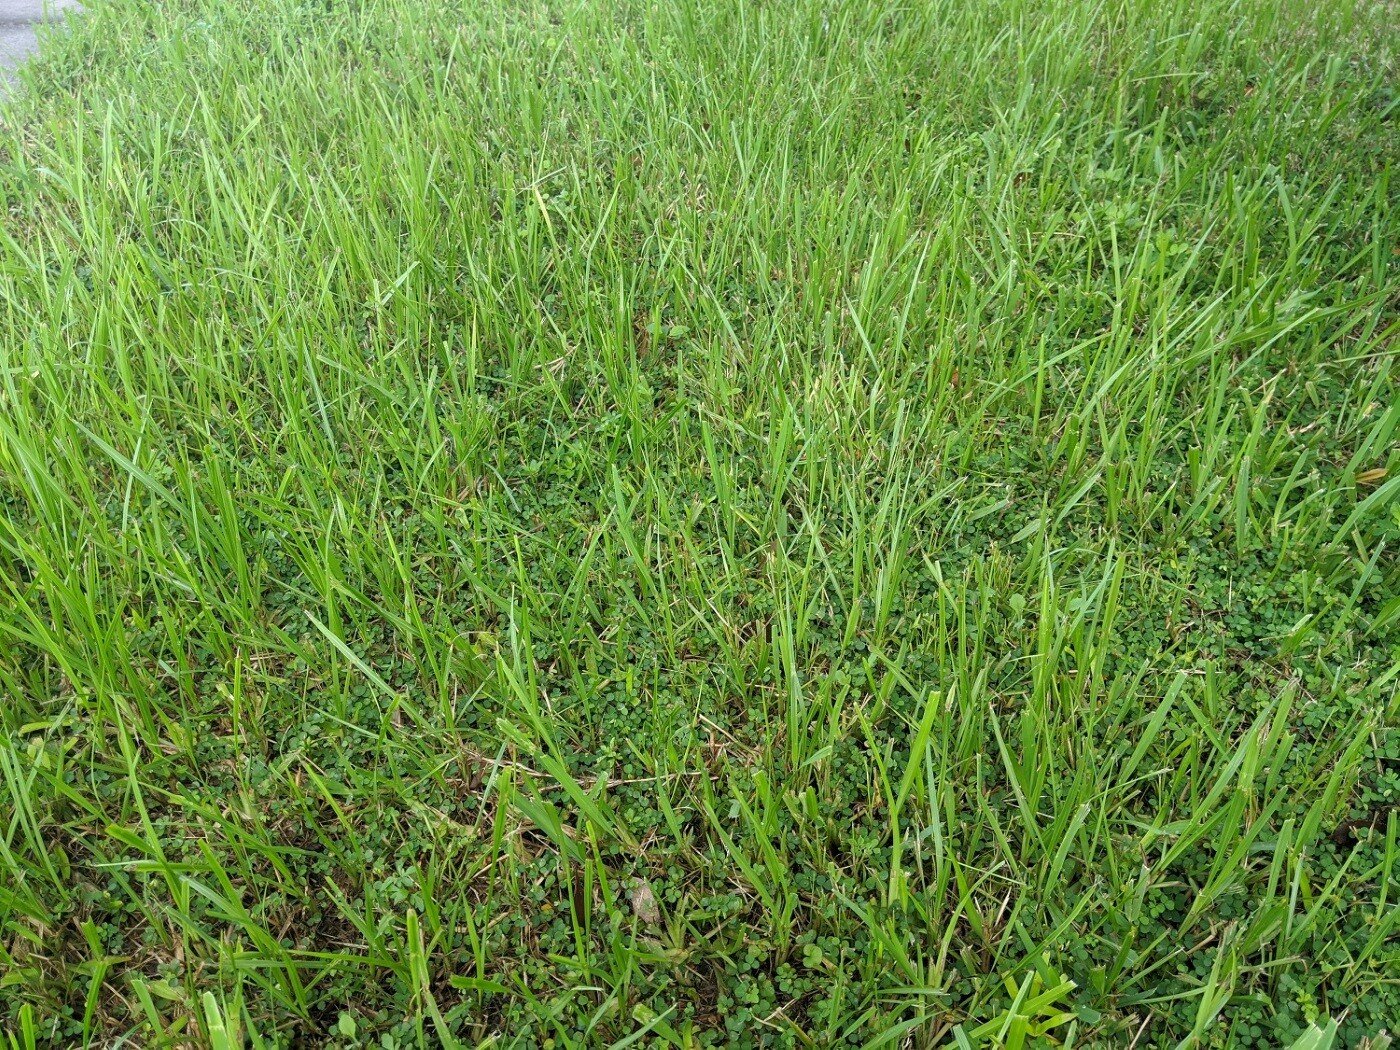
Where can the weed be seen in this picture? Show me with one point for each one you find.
(673, 523)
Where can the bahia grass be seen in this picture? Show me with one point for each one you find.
(674, 523)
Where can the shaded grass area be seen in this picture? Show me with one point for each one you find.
(737, 523)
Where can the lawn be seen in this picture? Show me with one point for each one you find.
(686, 523)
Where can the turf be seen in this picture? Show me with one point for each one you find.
(679, 523)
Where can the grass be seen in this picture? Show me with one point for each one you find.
(666, 523)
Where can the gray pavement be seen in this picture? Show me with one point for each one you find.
(18, 21)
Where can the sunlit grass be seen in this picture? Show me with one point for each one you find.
(701, 523)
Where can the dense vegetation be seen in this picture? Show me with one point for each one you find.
(676, 523)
